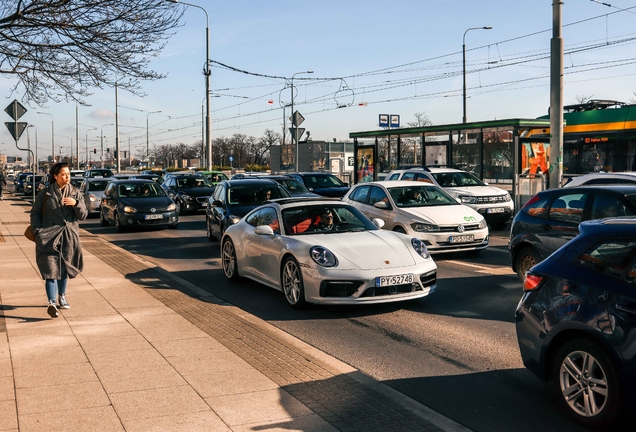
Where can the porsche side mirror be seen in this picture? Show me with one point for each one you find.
(264, 230)
(379, 223)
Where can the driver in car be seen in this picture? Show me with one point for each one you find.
(326, 221)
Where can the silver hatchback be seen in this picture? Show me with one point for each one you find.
(93, 188)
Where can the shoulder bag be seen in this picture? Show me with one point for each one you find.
(28, 233)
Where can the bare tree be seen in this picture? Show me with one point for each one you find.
(74, 45)
(581, 99)
(261, 148)
(421, 120)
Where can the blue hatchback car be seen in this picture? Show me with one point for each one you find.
(576, 321)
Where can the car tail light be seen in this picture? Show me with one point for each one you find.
(531, 282)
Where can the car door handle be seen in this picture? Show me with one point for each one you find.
(629, 308)
(546, 227)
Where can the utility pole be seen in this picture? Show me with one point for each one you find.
(556, 98)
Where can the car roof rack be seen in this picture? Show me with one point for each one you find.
(423, 168)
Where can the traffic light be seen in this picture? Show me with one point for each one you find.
(95, 151)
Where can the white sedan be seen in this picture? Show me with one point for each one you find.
(325, 251)
(424, 211)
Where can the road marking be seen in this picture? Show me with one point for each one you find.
(483, 269)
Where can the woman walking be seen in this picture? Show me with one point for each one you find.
(54, 218)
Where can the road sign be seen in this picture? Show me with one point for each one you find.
(297, 119)
(231, 158)
(15, 110)
(12, 126)
(351, 161)
(301, 131)
(395, 121)
(383, 120)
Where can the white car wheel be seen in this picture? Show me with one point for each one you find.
(230, 267)
(292, 283)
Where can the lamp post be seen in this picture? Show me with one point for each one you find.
(148, 133)
(206, 73)
(52, 136)
(102, 144)
(87, 153)
(294, 125)
(464, 63)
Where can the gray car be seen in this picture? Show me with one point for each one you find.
(93, 188)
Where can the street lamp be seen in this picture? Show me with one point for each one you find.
(102, 143)
(464, 63)
(52, 136)
(148, 133)
(295, 126)
(87, 153)
(206, 73)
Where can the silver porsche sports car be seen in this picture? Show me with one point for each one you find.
(326, 251)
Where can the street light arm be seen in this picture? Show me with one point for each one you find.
(464, 119)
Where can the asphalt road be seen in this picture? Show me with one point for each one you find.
(454, 351)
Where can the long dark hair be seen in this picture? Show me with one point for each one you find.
(56, 168)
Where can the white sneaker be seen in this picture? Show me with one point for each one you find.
(52, 310)
(62, 302)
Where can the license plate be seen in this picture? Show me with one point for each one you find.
(153, 216)
(461, 238)
(495, 210)
(383, 281)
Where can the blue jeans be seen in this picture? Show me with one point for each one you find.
(55, 287)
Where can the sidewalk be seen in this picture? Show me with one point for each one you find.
(141, 350)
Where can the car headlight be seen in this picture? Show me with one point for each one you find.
(467, 199)
(422, 227)
(129, 209)
(172, 207)
(323, 256)
(92, 198)
(483, 224)
(186, 197)
(234, 219)
(420, 248)
(507, 198)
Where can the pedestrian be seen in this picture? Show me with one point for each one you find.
(3, 182)
(58, 253)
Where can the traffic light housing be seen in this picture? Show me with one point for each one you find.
(95, 151)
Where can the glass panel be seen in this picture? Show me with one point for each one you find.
(466, 147)
(498, 157)
(534, 158)
(365, 160)
(611, 257)
(410, 151)
(383, 152)
(568, 208)
(605, 206)
(435, 144)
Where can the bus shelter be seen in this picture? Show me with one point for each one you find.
(494, 151)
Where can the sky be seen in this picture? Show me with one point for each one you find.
(368, 58)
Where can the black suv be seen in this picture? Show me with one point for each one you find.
(190, 193)
(324, 184)
(233, 199)
(551, 218)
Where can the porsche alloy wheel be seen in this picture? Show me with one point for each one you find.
(292, 283)
(230, 268)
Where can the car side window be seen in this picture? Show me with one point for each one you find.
(395, 176)
(377, 194)
(361, 194)
(605, 206)
(568, 208)
(111, 190)
(266, 216)
(538, 208)
(611, 258)
(408, 176)
(421, 177)
(219, 193)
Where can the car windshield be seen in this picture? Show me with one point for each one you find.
(215, 177)
(140, 190)
(193, 182)
(454, 179)
(97, 186)
(420, 196)
(101, 173)
(77, 181)
(252, 194)
(324, 218)
(322, 181)
(292, 185)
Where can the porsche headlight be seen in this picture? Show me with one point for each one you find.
(422, 227)
(483, 224)
(466, 199)
(129, 209)
(420, 248)
(172, 207)
(323, 256)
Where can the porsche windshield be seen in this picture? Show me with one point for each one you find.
(324, 219)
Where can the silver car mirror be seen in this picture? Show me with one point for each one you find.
(381, 205)
(379, 223)
(264, 230)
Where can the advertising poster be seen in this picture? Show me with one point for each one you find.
(365, 160)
